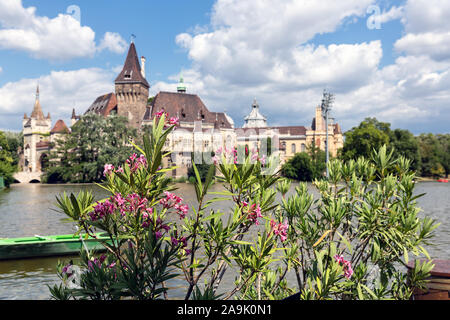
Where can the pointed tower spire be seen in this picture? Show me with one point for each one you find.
(131, 72)
(37, 110)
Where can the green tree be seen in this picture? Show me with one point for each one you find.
(405, 144)
(318, 160)
(444, 151)
(430, 155)
(306, 166)
(201, 167)
(7, 161)
(362, 140)
(298, 167)
(94, 141)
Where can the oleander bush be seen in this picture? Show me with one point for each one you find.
(349, 238)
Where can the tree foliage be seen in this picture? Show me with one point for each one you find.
(9, 144)
(94, 141)
(306, 166)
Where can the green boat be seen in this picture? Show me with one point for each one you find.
(45, 246)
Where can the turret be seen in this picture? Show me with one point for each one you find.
(181, 88)
(132, 89)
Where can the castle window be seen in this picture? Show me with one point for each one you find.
(293, 148)
(303, 148)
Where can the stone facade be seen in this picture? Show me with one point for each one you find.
(200, 131)
(38, 137)
(289, 140)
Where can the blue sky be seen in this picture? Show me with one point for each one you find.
(284, 53)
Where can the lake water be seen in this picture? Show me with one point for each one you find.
(28, 210)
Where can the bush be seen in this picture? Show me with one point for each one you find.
(364, 220)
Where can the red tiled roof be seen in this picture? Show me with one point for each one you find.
(103, 105)
(131, 72)
(60, 127)
(187, 107)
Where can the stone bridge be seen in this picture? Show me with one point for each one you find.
(27, 177)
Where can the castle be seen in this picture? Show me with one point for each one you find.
(199, 130)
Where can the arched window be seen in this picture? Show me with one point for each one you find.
(303, 148)
(293, 148)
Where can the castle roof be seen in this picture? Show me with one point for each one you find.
(59, 127)
(255, 118)
(131, 72)
(103, 105)
(37, 110)
(187, 107)
(285, 130)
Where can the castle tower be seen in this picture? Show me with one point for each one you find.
(36, 130)
(181, 88)
(132, 89)
(255, 119)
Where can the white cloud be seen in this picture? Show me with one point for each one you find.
(393, 13)
(433, 44)
(113, 42)
(59, 38)
(263, 49)
(60, 91)
(426, 15)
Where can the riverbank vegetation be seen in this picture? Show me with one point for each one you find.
(10, 145)
(429, 153)
(80, 157)
(352, 241)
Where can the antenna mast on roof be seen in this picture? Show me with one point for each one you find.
(327, 102)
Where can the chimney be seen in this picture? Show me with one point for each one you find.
(143, 66)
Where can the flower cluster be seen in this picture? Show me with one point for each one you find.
(175, 240)
(253, 212)
(159, 227)
(101, 210)
(173, 201)
(108, 169)
(348, 271)
(135, 162)
(279, 229)
(67, 270)
(133, 204)
(255, 157)
(170, 121)
(97, 262)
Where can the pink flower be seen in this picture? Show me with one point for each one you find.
(279, 229)
(254, 212)
(108, 169)
(135, 163)
(160, 113)
(101, 210)
(174, 121)
(348, 271)
(173, 201)
(263, 159)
